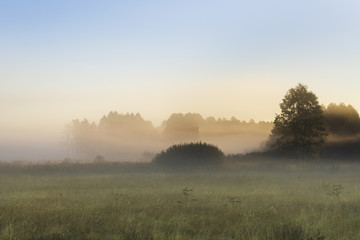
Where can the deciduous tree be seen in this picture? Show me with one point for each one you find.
(300, 129)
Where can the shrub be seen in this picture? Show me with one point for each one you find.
(190, 154)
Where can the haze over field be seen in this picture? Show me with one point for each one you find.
(130, 137)
(68, 60)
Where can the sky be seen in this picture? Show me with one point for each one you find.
(61, 60)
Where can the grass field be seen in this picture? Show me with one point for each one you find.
(233, 204)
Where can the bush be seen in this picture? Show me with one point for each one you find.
(190, 154)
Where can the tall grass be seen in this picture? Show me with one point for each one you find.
(151, 205)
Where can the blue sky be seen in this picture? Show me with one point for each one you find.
(61, 60)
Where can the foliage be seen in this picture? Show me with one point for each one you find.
(190, 154)
(342, 119)
(300, 129)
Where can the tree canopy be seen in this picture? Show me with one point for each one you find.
(190, 155)
(300, 129)
(342, 119)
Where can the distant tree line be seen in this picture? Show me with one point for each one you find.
(113, 134)
(190, 126)
(304, 129)
(118, 134)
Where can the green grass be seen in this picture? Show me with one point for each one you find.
(272, 204)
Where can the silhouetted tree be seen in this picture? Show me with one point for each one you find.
(300, 129)
(341, 119)
(190, 154)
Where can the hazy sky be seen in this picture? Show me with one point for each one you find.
(61, 60)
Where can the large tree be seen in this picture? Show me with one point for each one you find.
(300, 129)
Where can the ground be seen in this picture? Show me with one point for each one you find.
(288, 203)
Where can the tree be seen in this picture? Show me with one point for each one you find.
(342, 119)
(300, 129)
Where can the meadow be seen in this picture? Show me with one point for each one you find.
(93, 201)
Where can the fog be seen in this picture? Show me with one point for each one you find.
(34, 144)
(129, 137)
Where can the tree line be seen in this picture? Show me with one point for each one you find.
(119, 135)
(303, 129)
